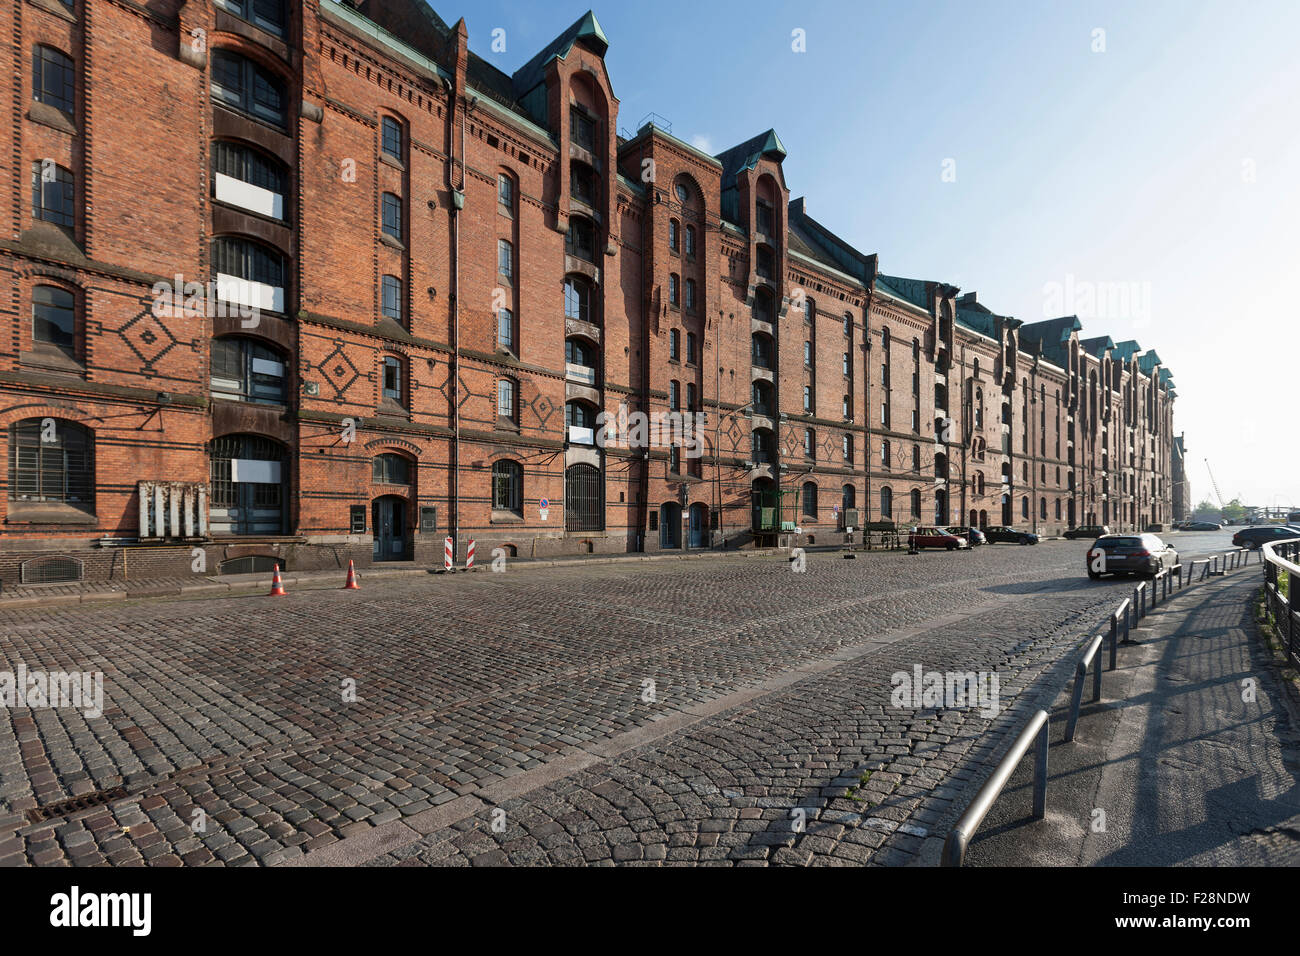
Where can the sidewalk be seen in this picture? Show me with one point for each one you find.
(1178, 764)
(89, 592)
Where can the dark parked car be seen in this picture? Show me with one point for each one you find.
(927, 537)
(1093, 531)
(1009, 536)
(973, 535)
(1253, 538)
(1129, 554)
(1201, 526)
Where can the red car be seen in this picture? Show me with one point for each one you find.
(935, 538)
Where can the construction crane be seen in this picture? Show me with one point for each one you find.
(1214, 484)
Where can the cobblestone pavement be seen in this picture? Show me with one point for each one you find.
(231, 712)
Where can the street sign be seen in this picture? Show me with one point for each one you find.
(543, 507)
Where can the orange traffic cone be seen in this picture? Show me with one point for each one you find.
(352, 579)
(277, 587)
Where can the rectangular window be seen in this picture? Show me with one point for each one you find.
(505, 259)
(393, 380)
(807, 398)
(809, 443)
(506, 329)
(582, 128)
(53, 197)
(392, 137)
(506, 192)
(506, 399)
(392, 212)
(673, 397)
(392, 298)
(52, 79)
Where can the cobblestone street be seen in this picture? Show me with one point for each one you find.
(725, 711)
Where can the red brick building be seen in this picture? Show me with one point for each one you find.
(312, 281)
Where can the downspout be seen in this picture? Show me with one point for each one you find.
(457, 204)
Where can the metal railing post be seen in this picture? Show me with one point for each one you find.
(1034, 732)
(1080, 674)
(1114, 638)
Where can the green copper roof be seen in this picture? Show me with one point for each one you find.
(747, 154)
(1127, 349)
(909, 290)
(1098, 346)
(1149, 360)
(533, 72)
(977, 321)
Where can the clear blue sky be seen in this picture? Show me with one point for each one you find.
(1167, 165)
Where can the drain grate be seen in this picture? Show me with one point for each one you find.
(84, 802)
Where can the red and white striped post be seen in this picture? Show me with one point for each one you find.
(448, 550)
(469, 556)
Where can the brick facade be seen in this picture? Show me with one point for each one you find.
(372, 193)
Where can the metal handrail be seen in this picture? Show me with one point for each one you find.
(1080, 674)
(1282, 608)
(954, 847)
(1119, 612)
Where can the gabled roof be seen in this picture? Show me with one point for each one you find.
(1127, 349)
(1148, 361)
(747, 154)
(586, 30)
(1049, 337)
(1098, 346)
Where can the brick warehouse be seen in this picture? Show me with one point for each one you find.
(399, 287)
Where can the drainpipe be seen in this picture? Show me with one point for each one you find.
(457, 205)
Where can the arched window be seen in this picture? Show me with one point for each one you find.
(763, 305)
(674, 345)
(690, 296)
(916, 503)
(674, 235)
(577, 299)
(692, 346)
(52, 460)
(674, 294)
(246, 86)
(53, 194)
(248, 273)
(1042, 507)
(390, 469)
(53, 79)
(508, 487)
(54, 318)
(848, 498)
(245, 370)
(247, 178)
(690, 240)
(580, 420)
(809, 310)
(887, 503)
(809, 497)
(506, 193)
(762, 349)
(916, 457)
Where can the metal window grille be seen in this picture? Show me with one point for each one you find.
(583, 499)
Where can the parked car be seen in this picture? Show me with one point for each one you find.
(1130, 554)
(1009, 536)
(1253, 538)
(1202, 526)
(927, 537)
(974, 536)
(1093, 531)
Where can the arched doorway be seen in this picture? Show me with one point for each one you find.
(670, 526)
(984, 519)
(974, 518)
(699, 524)
(388, 520)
